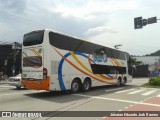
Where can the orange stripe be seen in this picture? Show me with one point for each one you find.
(112, 61)
(35, 52)
(89, 59)
(115, 62)
(82, 70)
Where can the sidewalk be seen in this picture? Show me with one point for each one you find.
(150, 105)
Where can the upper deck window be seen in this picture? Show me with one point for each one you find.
(33, 38)
(73, 44)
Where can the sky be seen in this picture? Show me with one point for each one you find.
(105, 22)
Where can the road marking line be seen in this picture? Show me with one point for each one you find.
(136, 82)
(158, 95)
(119, 100)
(7, 86)
(10, 94)
(149, 92)
(113, 89)
(123, 91)
(103, 117)
(137, 91)
(21, 93)
(150, 88)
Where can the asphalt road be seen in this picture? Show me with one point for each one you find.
(108, 98)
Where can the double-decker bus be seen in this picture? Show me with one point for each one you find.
(57, 62)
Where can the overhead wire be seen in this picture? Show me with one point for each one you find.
(20, 19)
(9, 36)
(144, 52)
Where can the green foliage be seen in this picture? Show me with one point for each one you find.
(134, 61)
(154, 81)
(157, 53)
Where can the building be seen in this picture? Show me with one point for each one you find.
(10, 59)
(148, 60)
(153, 63)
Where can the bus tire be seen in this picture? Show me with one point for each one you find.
(86, 84)
(124, 81)
(118, 82)
(75, 85)
(18, 87)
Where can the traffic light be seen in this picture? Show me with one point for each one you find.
(152, 20)
(138, 23)
(144, 22)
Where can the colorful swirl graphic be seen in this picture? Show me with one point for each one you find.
(98, 77)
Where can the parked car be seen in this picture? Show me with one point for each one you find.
(15, 81)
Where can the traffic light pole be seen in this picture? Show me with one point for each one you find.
(14, 47)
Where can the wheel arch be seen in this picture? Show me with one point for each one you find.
(78, 79)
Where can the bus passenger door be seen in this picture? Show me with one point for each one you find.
(65, 77)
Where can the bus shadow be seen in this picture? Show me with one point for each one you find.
(18, 89)
(66, 96)
(58, 97)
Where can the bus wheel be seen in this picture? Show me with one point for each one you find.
(118, 82)
(75, 86)
(18, 87)
(124, 81)
(86, 84)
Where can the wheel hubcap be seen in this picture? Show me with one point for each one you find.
(118, 82)
(86, 86)
(123, 82)
(75, 86)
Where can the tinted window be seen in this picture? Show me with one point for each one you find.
(77, 45)
(63, 42)
(33, 38)
(72, 44)
(122, 56)
(106, 69)
(89, 48)
(115, 54)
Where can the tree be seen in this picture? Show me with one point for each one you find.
(157, 53)
(135, 62)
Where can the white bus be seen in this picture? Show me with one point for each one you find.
(56, 62)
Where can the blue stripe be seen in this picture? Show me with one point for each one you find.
(61, 83)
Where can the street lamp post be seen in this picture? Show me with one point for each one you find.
(14, 47)
(117, 46)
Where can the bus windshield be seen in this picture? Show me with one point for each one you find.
(33, 38)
